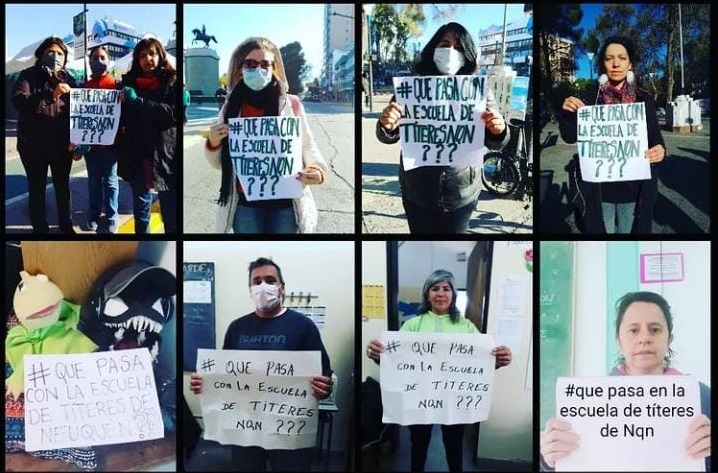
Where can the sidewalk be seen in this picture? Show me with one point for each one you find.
(382, 210)
(17, 214)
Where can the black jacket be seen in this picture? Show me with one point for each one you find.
(43, 123)
(589, 196)
(150, 133)
(447, 187)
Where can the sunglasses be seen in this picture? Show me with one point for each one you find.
(253, 64)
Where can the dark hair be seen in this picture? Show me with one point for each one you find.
(164, 65)
(259, 262)
(426, 65)
(46, 43)
(434, 278)
(623, 41)
(624, 302)
(91, 51)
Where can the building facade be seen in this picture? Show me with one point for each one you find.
(518, 52)
(338, 36)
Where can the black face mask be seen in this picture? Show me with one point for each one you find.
(52, 62)
(98, 67)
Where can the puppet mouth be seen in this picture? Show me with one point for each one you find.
(139, 323)
(137, 332)
(44, 312)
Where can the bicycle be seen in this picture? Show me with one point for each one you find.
(504, 173)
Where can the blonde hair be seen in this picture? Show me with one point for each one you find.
(234, 72)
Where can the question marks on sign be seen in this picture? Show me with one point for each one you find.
(99, 136)
(611, 162)
(143, 424)
(263, 180)
(454, 147)
(438, 153)
(275, 178)
(92, 137)
(426, 149)
(251, 181)
(84, 135)
(599, 163)
(620, 168)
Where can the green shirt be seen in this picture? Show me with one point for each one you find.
(430, 322)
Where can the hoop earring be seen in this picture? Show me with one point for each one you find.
(630, 77)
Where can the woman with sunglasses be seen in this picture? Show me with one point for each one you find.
(150, 134)
(257, 88)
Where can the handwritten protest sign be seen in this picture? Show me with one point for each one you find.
(436, 378)
(612, 141)
(260, 398)
(100, 398)
(629, 423)
(94, 116)
(518, 99)
(441, 120)
(501, 84)
(267, 155)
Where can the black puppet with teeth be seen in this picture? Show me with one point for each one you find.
(128, 306)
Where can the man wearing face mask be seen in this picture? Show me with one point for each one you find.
(41, 97)
(440, 199)
(273, 327)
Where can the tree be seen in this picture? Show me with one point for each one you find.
(384, 17)
(295, 66)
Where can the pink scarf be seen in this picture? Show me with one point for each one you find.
(609, 94)
(668, 370)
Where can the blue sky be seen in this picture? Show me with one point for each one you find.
(282, 24)
(472, 17)
(590, 12)
(28, 23)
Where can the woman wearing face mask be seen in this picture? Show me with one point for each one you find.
(42, 98)
(438, 313)
(440, 199)
(258, 87)
(149, 141)
(626, 206)
(101, 161)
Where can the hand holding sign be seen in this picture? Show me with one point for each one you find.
(390, 116)
(494, 122)
(698, 444)
(572, 104)
(217, 133)
(656, 154)
(557, 441)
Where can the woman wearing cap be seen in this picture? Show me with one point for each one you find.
(42, 98)
(438, 313)
(149, 142)
(258, 87)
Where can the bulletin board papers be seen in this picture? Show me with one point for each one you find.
(373, 301)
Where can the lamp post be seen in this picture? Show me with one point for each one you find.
(590, 64)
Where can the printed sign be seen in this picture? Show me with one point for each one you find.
(661, 267)
(267, 155)
(629, 423)
(94, 116)
(79, 37)
(612, 142)
(100, 398)
(436, 378)
(259, 398)
(441, 120)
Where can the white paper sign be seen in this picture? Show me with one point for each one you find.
(197, 292)
(629, 423)
(259, 398)
(94, 116)
(612, 141)
(436, 378)
(661, 267)
(441, 120)
(512, 296)
(100, 398)
(267, 155)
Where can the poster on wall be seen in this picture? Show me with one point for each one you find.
(661, 267)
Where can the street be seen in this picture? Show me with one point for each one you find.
(332, 125)
(382, 210)
(683, 203)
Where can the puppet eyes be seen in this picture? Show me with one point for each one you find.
(21, 287)
(115, 306)
(158, 306)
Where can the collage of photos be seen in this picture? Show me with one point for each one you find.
(511, 253)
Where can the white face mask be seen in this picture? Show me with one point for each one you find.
(265, 296)
(448, 60)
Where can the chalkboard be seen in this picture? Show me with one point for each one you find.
(198, 311)
(556, 320)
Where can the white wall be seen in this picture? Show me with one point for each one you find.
(507, 434)
(322, 267)
(689, 300)
(418, 259)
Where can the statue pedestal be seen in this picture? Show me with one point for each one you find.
(201, 70)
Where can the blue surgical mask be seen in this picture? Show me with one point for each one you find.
(52, 61)
(257, 78)
(98, 67)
